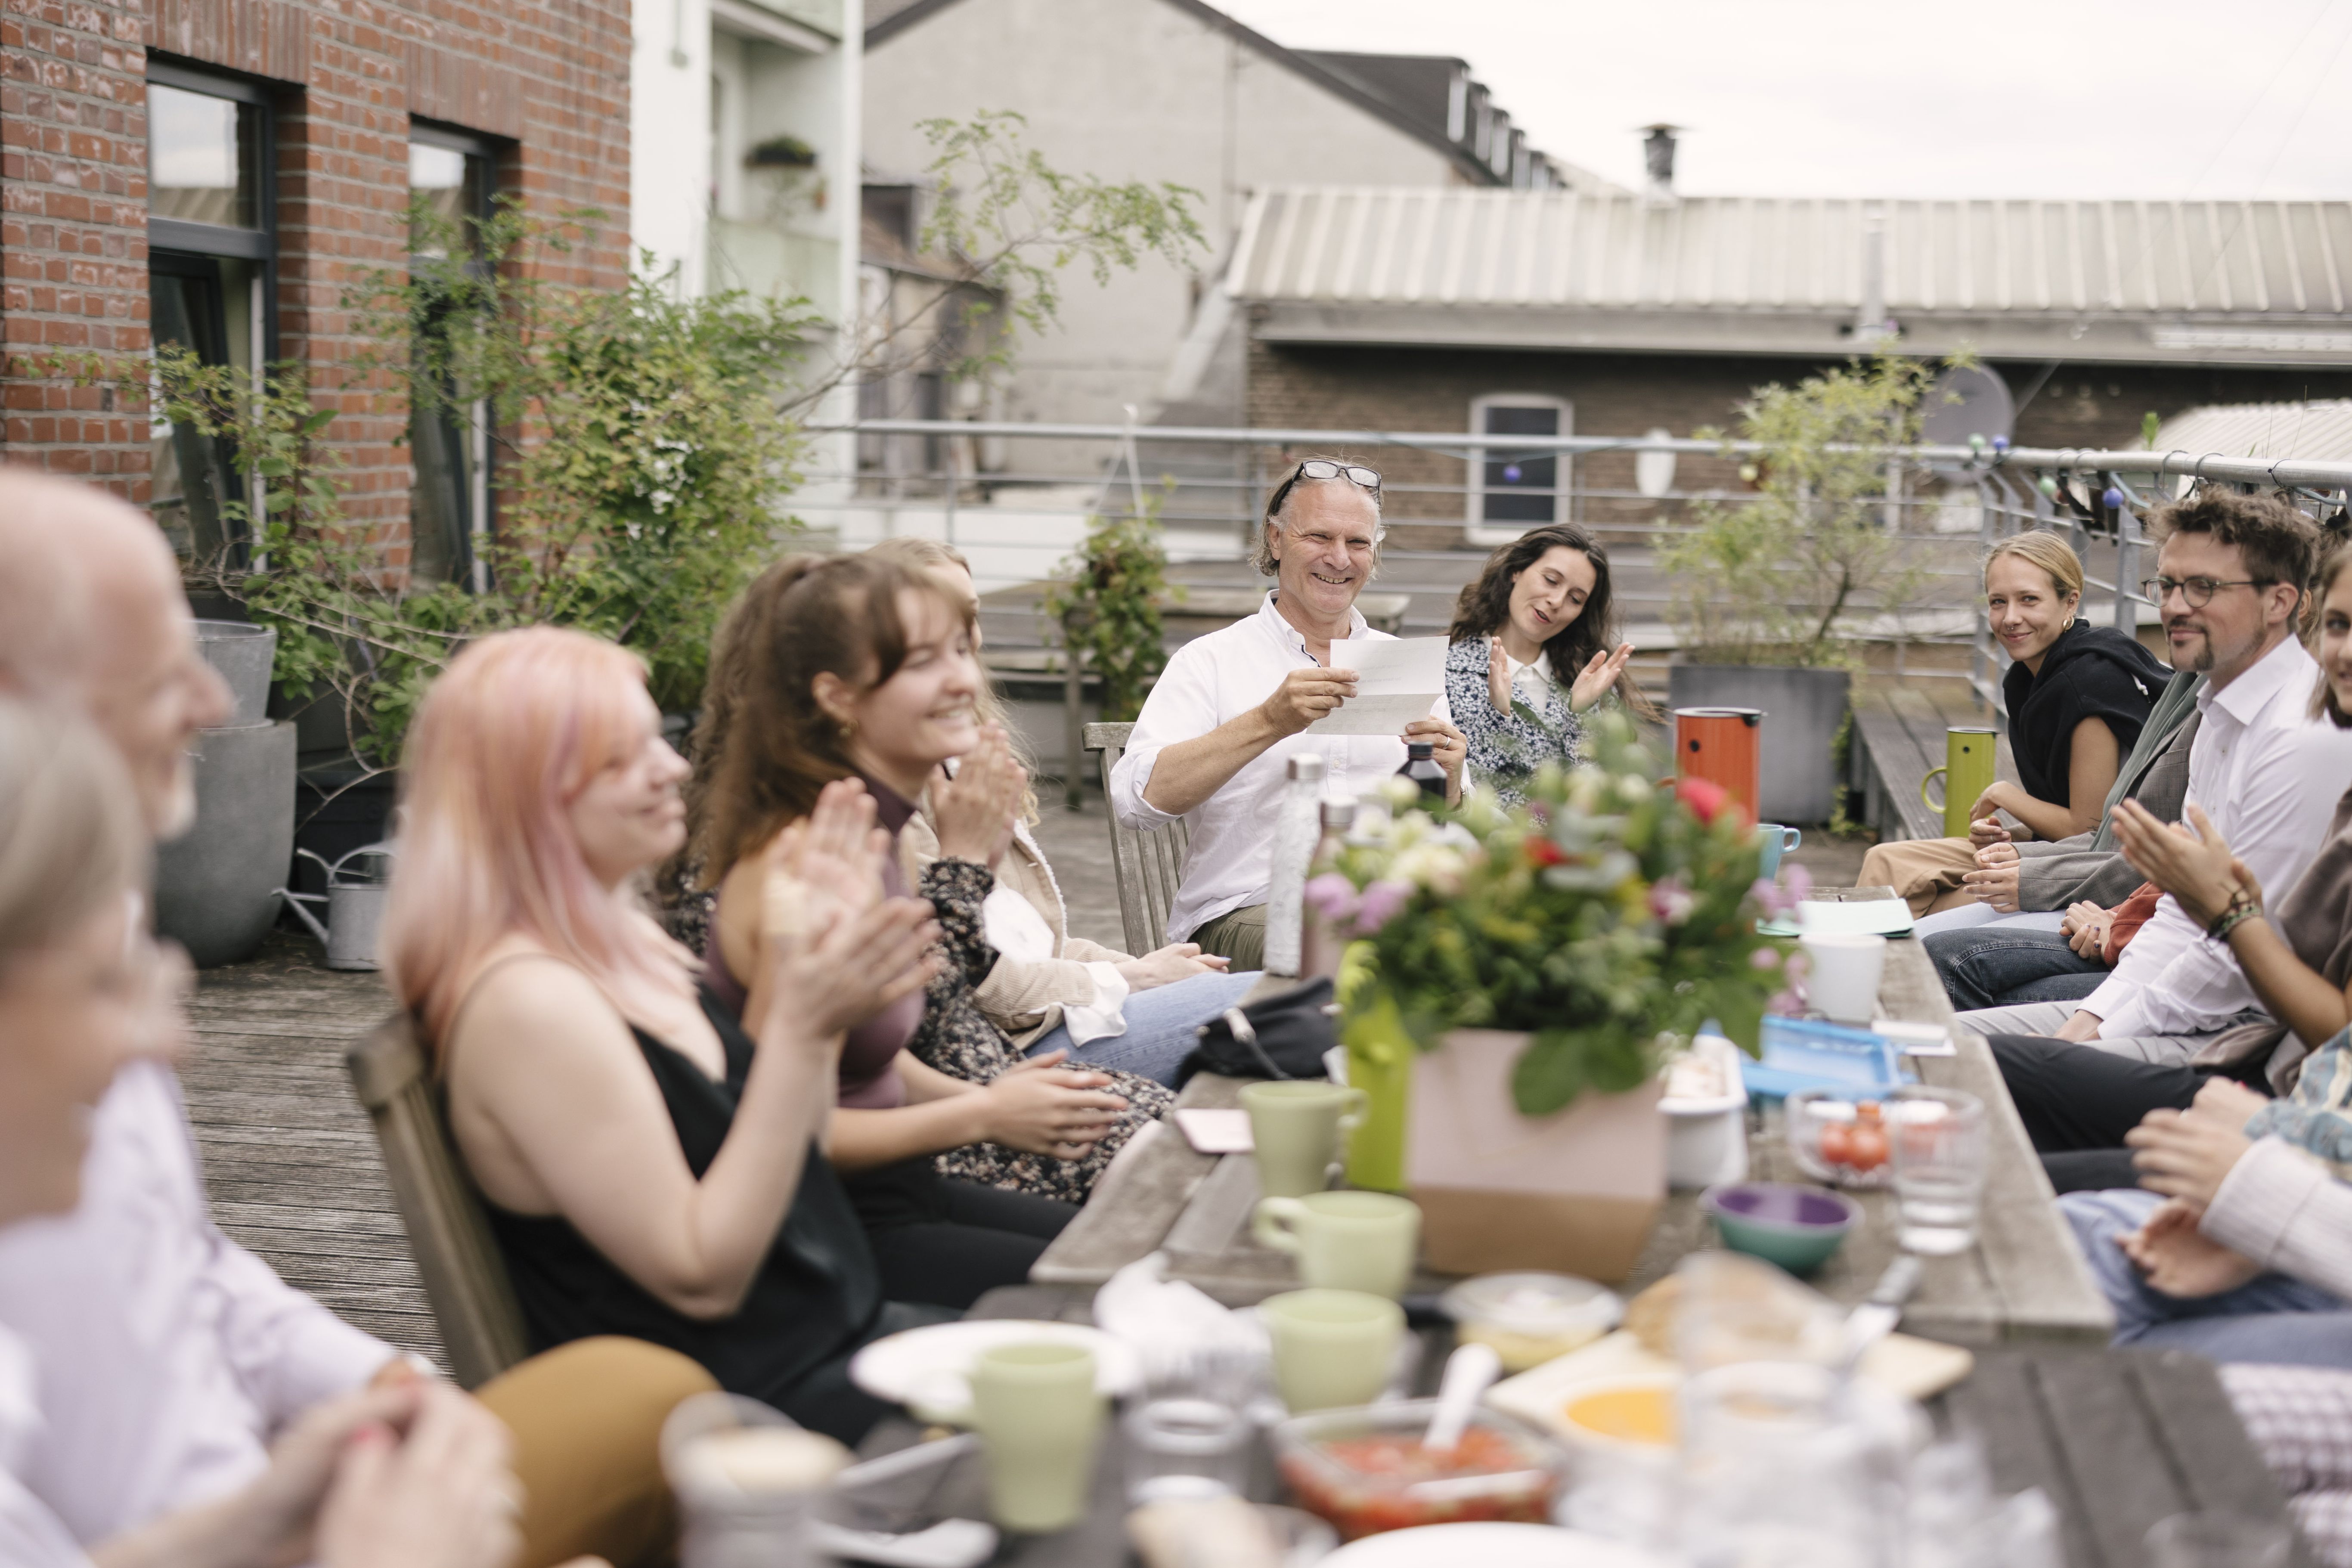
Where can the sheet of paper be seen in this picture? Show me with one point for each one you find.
(1216, 1132)
(1399, 679)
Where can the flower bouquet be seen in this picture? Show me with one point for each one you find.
(1515, 978)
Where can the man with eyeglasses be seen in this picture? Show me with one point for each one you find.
(1213, 741)
(2229, 583)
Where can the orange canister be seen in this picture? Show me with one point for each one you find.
(1721, 745)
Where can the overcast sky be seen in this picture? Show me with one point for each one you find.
(1998, 98)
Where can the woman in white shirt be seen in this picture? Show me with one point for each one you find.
(1531, 652)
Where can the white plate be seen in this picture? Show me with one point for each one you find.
(1488, 1545)
(924, 1368)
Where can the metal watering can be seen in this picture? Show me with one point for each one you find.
(354, 903)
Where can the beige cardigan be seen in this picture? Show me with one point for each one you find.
(1024, 1000)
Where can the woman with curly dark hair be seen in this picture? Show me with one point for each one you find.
(1531, 652)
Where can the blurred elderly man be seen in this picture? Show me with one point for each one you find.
(1213, 741)
(169, 1359)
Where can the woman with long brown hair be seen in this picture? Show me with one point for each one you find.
(1050, 991)
(1532, 650)
(856, 669)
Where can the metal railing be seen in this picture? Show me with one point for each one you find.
(956, 479)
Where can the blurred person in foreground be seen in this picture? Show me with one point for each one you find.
(412, 1476)
(1050, 991)
(169, 1358)
(1213, 744)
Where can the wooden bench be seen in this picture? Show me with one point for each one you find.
(1146, 868)
(1898, 741)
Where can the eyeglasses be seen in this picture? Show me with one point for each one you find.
(2195, 592)
(1325, 468)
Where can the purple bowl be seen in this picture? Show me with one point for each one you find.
(1778, 1204)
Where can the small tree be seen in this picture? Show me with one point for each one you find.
(1105, 604)
(1770, 581)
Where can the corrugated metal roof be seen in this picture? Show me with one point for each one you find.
(2318, 432)
(1561, 250)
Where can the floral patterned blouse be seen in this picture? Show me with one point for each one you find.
(1506, 750)
(955, 1038)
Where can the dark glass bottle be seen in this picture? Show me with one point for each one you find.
(1422, 767)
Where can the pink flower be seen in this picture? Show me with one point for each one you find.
(1764, 958)
(1800, 883)
(1332, 895)
(1769, 898)
(1671, 901)
(1785, 1004)
(1380, 904)
(1705, 797)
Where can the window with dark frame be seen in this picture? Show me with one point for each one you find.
(212, 273)
(449, 510)
(1513, 491)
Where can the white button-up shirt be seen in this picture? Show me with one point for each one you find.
(2269, 776)
(1212, 681)
(166, 1355)
(30, 1535)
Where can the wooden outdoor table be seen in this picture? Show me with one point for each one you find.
(2119, 1439)
(2024, 1279)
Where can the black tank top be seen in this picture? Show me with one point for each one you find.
(815, 1298)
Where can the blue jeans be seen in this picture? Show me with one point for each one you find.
(1998, 964)
(1161, 1025)
(2271, 1318)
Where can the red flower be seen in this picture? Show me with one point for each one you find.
(1542, 851)
(1705, 798)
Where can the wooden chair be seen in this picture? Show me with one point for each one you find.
(1147, 866)
(465, 1279)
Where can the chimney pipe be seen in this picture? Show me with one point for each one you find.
(1870, 322)
(1658, 151)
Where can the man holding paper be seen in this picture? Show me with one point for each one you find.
(1304, 674)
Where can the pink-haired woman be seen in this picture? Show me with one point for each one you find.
(652, 1168)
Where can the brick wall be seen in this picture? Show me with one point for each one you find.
(1384, 388)
(548, 77)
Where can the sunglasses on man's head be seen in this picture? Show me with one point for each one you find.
(1325, 468)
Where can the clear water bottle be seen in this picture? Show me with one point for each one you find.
(1295, 833)
(1421, 765)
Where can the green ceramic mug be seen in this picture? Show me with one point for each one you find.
(1299, 1131)
(1345, 1241)
(1039, 1420)
(1331, 1348)
(1968, 772)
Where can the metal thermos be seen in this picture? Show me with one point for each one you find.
(1968, 772)
(1723, 746)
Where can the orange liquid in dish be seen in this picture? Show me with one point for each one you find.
(1628, 1414)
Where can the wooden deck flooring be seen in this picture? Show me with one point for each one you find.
(290, 1160)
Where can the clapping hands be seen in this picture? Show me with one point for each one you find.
(2192, 861)
(977, 810)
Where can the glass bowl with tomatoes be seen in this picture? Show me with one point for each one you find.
(1838, 1137)
(1367, 1470)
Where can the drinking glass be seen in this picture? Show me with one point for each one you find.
(747, 1483)
(1778, 1465)
(1179, 1449)
(1939, 1148)
(2210, 1539)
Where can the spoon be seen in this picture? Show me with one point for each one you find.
(1468, 1370)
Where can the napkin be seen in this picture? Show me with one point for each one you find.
(1178, 1329)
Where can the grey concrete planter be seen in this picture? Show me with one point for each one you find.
(215, 885)
(243, 654)
(1802, 710)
